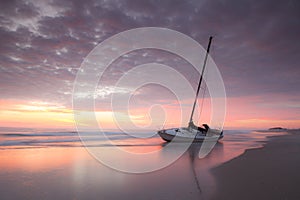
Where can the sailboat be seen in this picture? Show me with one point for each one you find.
(193, 132)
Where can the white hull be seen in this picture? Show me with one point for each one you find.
(186, 134)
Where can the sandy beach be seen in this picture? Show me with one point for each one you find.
(55, 165)
(271, 172)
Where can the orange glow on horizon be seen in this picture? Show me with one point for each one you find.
(242, 112)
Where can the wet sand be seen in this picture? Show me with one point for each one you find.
(54, 166)
(271, 172)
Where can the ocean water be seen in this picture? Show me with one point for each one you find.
(54, 164)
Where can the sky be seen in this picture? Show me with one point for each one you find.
(43, 43)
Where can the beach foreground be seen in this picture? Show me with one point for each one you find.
(271, 172)
(55, 165)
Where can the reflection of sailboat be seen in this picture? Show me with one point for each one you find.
(193, 151)
(193, 132)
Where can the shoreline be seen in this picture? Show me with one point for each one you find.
(270, 172)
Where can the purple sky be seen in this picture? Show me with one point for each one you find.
(256, 48)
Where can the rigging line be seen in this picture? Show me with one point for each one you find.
(204, 91)
(201, 77)
(202, 102)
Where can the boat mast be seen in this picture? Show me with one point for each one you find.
(201, 77)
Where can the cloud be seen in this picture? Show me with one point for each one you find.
(42, 44)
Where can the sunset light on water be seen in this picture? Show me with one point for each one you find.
(117, 100)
